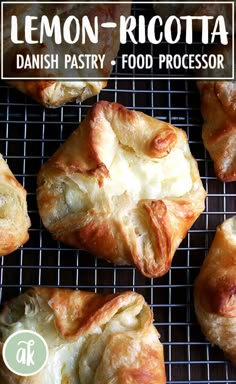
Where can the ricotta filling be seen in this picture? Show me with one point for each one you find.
(134, 177)
(72, 362)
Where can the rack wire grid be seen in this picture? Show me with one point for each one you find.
(30, 134)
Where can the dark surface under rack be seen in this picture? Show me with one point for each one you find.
(29, 134)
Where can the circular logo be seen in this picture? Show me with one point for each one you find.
(25, 353)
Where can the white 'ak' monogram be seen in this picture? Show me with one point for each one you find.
(25, 355)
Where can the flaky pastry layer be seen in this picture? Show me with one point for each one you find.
(124, 186)
(92, 338)
(218, 107)
(215, 288)
(14, 219)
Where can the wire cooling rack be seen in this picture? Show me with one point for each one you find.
(29, 135)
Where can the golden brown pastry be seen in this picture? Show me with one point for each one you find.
(55, 93)
(215, 288)
(92, 338)
(218, 107)
(219, 127)
(14, 220)
(124, 186)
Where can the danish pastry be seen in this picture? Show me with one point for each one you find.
(14, 219)
(215, 287)
(219, 127)
(55, 93)
(124, 186)
(92, 338)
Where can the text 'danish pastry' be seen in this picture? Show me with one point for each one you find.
(52, 70)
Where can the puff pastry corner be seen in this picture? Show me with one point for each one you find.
(92, 338)
(215, 287)
(218, 107)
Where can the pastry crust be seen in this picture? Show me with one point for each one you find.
(56, 93)
(219, 127)
(218, 107)
(14, 219)
(92, 338)
(53, 94)
(124, 186)
(215, 287)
